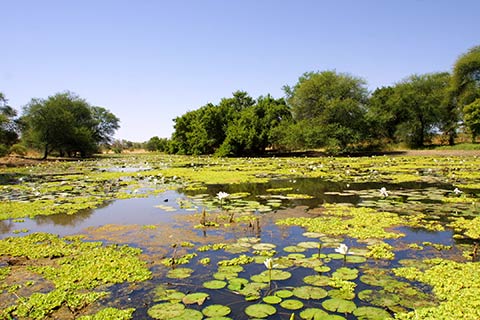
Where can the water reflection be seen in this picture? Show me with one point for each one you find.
(141, 211)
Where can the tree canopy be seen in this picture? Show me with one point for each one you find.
(68, 124)
(8, 126)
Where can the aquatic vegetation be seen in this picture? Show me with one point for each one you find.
(110, 313)
(455, 284)
(281, 240)
(70, 270)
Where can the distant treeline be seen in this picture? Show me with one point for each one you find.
(335, 111)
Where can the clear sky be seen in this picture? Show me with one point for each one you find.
(151, 61)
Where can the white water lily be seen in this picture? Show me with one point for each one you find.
(457, 191)
(269, 264)
(383, 192)
(343, 249)
(221, 195)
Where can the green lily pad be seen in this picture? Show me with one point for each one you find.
(264, 246)
(224, 275)
(230, 269)
(179, 273)
(165, 311)
(380, 298)
(272, 299)
(236, 284)
(341, 294)
(308, 292)
(322, 268)
(313, 314)
(355, 259)
(163, 294)
(313, 234)
(308, 245)
(284, 293)
(345, 273)
(275, 275)
(294, 249)
(216, 310)
(339, 305)
(292, 304)
(198, 298)
(317, 280)
(214, 284)
(371, 313)
(189, 314)
(336, 256)
(260, 310)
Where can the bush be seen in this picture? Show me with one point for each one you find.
(3, 150)
(18, 149)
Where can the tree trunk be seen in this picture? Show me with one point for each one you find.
(45, 152)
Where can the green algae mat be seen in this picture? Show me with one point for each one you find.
(175, 237)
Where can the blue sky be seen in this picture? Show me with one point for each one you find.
(151, 61)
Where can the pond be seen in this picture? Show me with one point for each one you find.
(285, 248)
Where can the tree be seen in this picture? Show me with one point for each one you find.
(330, 107)
(68, 124)
(8, 126)
(465, 85)
(419, 99)
(472, 118)
(251, 133)
(157, 144)
(382, 116)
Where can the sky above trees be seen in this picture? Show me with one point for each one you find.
(151, 61)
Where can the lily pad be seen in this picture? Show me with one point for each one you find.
(355, 259)
(371, 313)
(264, 246)
(216, 310)
(284, 293)
(272, 299)
(339, 305)
(179, 273)
(214, 284)
(345, 273)
(313, 314)
(189, 314)
(380, 298)
(292, 304)
(294, 249)
(308, 245)
(260, 310)
(317, 280)
(165, 311)
(198, 298)
(308, 292)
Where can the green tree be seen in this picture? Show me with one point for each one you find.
(419, 99)
(472, 118)
(330, 108)
(8, 126)
(157, 144)
(382, 116)
(465, 86)
(252, 133)
(66, 123)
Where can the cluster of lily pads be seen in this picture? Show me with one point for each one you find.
(358, 259)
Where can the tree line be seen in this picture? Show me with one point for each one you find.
(335, 111)
(64, 124)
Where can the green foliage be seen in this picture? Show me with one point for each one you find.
(236, 126)
(67, 124)
(8, 125)
(329, 110)
(110, 313)
(418, 99)
(157, 144)
(78, 268)
(472, 118)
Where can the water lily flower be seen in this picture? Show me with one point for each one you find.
(269, 264)
(221, 195)
(343, 249)
(383, 192)
(457, 191)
